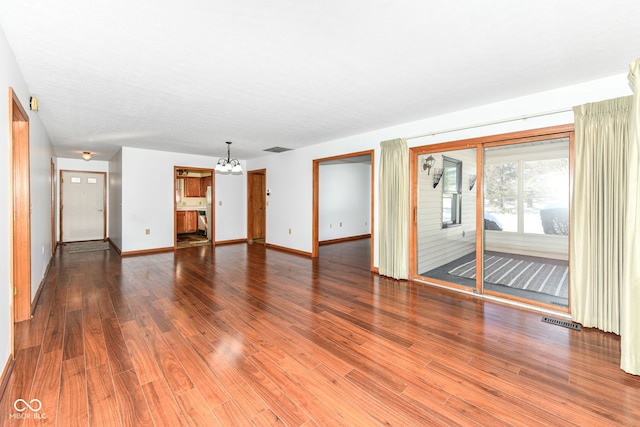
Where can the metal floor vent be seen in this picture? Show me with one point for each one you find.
(563, 323)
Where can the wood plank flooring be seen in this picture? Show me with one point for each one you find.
(245, 335)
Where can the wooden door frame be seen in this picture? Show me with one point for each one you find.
(213, 203)
(315, 244)
(104, 200)
(479, 143)
(20, 200)
(250, 196)
(53, 207)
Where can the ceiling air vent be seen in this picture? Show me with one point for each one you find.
(277, 149)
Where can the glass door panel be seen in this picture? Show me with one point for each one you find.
(446, 218)
(526, 221)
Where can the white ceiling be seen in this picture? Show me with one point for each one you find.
(188, 76)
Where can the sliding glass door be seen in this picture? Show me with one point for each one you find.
(526, 211)
(446, 217)
(491, 216)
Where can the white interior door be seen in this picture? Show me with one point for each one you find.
(82, 206)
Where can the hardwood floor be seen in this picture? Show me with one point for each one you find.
(246, 335)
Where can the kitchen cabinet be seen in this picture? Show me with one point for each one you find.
(192, 187)
(205, 182)
(186, 221)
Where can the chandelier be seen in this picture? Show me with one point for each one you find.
(229, 165)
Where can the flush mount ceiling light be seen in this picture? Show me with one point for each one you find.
(86, 155)
(229, 165)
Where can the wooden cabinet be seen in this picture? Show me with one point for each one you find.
(192, 187)
(186, 221)
(205, 182)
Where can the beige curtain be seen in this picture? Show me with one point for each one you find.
(598, 212)
(630, 298)
(394, 209)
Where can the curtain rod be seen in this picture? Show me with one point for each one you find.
(495, 122)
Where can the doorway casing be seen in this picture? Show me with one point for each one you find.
(479, 144)
(256, 205)
(315, 245)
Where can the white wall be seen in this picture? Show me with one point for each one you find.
(41, 155)
(344, 200)
(289, 174)
(230, 206)
(114, 212)
(40, 158)
(148, 198)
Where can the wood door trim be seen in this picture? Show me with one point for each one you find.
(104, 200)
(551, 132)
(249, 200)
(315, 244)
(52, 177)
(20, 253)
(175, 202)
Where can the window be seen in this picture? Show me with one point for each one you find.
(451, 192)
(527, 187)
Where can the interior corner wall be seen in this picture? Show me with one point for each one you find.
(41, 154)
(290, 174)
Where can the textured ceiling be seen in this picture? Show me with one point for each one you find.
(188, 76)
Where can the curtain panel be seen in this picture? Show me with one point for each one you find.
(394, 209)
(630, 298)
(599, 212)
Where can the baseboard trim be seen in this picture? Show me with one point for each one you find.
(344, 239)
(34, 303)
(285, 249)
(146, 252)
(114, 246)
(6, 374)
(229, 242)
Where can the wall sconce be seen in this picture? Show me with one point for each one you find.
(472, 181)
(437, 174)
(428, 164)
(86, 156)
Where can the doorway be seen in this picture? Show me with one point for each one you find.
(343, 201)
(21, 210)
(194, 211)
(491, 215)
(82, 206)
(257, 203)
(194, 220)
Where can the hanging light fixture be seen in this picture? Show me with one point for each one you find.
(86, 155)
(229, 165)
